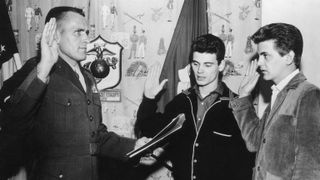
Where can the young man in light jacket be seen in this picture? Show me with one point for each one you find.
(286, 139)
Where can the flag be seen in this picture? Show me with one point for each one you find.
(8, 45)
(192, 22)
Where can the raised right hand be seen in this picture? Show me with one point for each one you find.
(152, 86)
(49, 50)
(250, 79)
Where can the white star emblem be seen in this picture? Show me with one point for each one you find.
(2, 48)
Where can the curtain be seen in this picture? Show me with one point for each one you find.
(9, 57)
(192, 22)
(8, 45)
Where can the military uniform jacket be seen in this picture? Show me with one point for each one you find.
(67, 124)
(215, 151)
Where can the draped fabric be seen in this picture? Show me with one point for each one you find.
(192, 22)
(8, 45)
(9, 57)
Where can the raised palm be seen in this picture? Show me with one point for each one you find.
(49, 47)
(250, 79)
(49, 50)
(152, 86)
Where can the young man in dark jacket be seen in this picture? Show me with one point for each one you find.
(209, 145)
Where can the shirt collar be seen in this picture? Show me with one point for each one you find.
(218, 90)
(285, 81)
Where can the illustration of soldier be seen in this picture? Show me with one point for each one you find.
(229, 44)
(134, 38)
(37, 15)
(109, 14)
(248, 48)
(142, 45)
(223, 36)
(113, 14)
(29, 14)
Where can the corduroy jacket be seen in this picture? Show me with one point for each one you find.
(286, 139)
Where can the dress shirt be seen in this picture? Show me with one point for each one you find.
(277, 88)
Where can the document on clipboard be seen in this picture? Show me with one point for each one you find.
(175, 124)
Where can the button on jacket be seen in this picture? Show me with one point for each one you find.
(67, 124)
(215, 151)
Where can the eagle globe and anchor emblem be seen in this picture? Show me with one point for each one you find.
(104, 62)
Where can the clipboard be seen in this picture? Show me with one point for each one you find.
(175, 124)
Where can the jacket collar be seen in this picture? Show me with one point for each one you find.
(218, 90)
(222, 90)
(63, 69)
(295, 81)
(293, 84)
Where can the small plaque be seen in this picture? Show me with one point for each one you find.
(113, 95)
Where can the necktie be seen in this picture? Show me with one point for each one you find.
(81, 78)
(275, 92)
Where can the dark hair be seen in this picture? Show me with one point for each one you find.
(208, 43)
(287, 37)
(60, 11)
